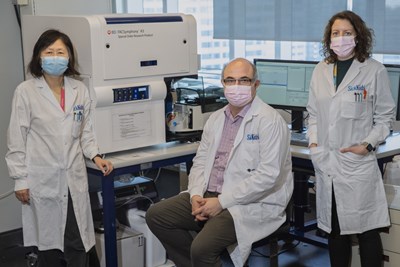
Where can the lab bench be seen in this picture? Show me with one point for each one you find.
(175, 152)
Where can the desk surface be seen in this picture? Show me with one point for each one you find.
(148, 154)
(176, 149)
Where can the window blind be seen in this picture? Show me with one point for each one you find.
(278, 20)
(383, 16)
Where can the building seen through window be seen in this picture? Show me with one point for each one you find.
(216, 52)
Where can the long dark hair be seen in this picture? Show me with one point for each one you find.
(364, 38)
(45, 40)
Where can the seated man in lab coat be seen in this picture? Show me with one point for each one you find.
(240, 182)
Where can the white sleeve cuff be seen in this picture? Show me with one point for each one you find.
(20, 184)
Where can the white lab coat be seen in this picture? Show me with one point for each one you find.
(46, 149)
(340, 119)
(258, 181)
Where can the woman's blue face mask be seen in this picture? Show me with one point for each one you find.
(55, 65)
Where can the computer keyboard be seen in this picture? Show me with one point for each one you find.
(299, 139)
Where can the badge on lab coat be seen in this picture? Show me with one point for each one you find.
(78, 113)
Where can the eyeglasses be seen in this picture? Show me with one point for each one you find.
(241, 81)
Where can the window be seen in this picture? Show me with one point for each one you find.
(216, 52)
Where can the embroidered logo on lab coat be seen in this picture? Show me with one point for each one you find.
(78, 112)
(252, 137)
(360, 93)
(356, 87)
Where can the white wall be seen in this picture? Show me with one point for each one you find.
(67, 7)
(11, 74)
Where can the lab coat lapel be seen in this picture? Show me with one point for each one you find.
(248, 117)
(218, 135)
(353, 71)
(46, 92)
(328, 73)
(70, 95)
(240, 132)
(214, 142)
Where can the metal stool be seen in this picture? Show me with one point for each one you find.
(282, 233)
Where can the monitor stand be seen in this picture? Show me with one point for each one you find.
(297, 121)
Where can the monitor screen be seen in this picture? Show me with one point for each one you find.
(284, 84)
(394, 76)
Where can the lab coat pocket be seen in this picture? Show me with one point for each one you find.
(318, 158)
(354, 164)
(351, 109)
(76, 128)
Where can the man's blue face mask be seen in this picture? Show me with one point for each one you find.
(55, 66)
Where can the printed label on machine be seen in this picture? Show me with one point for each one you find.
(131, 125)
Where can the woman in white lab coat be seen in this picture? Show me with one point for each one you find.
(351, 110)
(48, 136)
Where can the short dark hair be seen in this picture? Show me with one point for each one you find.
(45, 40)
(364, 38)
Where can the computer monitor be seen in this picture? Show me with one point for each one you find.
(284, 84)
(394, 76)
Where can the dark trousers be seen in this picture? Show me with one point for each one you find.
(172, 223)
(74, 252)
(370, 245)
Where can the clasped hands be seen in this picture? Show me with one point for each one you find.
(205, 208)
